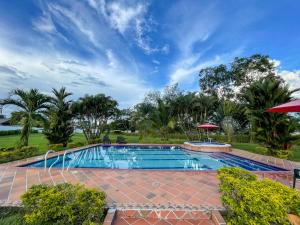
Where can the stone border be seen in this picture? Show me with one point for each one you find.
(217, 218)
(110, 217)
(207, 148)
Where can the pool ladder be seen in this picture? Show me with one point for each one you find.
(45, 158)
(63, 160)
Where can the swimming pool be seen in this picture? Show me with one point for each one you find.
(151, 157)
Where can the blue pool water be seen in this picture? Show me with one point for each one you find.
(151, 157)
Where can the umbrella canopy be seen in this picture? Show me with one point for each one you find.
(207, 126)
(293, 106)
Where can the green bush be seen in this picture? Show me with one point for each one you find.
(8, 149)
(13, 132)
(63, 204)
(262, 150)
(56, 147)
(251, 201)
(11, 216)
(283, 154)
(236, 173)
(120, 140)
(75, 144)
(11, 154)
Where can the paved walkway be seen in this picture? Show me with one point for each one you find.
(136, 189)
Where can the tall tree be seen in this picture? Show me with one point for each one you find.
(92, 114)
(60, 128)
(227, 82)
(31, 105)
(272, 129)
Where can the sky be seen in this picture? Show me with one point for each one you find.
(128, 48)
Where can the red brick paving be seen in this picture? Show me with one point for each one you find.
(188, 190)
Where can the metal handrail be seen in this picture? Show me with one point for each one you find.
(50, 151)
(64, 158)
(53, 163)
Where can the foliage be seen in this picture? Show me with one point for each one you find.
(59, 129)
(92, 114)
(57, 147)
(252, 201)
(63, 204)
(123, 121)
(31, 104)
(273, 129)
(121, 140)
(11, 216)
(227, 82)
(236, 173)
(11, 154)
(75, 144)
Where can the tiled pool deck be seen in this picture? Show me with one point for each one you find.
(135, 189)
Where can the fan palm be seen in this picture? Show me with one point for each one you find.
(32, 104)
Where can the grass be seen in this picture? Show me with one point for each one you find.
(252, 147)
(41, 142)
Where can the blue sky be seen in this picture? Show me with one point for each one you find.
(127, 48)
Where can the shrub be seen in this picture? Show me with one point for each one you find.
(27, 151)
(11, 216)
(8, 149)
(14, 132)
(236, 173)
(283, 154)
(75, 144)
(252, 201)
(63, 204)
(120, 140)
(56, 147)
(262, 150)
(11, 154)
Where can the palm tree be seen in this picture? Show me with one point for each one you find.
(273, 129)
(32, 104)
(59, 129)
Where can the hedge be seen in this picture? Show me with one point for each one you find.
(14, 132)
(56, 147)
(11, 153)
(251, 201)
(63, 204)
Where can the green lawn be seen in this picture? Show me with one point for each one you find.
(41, 142)
(251, 147)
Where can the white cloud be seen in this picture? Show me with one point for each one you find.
(292, 78)
(46, 71)
(122, 16)
(156, 62)
(187, 69)
(44, 24)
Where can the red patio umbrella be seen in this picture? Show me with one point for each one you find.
(293, 106)
(207, 126)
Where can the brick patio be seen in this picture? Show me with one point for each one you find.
(135, 189)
